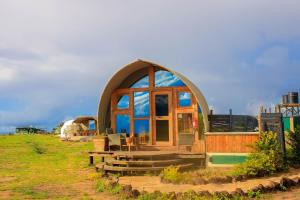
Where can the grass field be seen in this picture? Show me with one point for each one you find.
(41, 167)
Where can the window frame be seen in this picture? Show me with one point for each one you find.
(178, 100)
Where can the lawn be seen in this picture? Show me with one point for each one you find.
(41, 167)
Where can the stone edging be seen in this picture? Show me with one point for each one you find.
(217, 180)
(284, 184)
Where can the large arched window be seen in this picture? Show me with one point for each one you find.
(141, 83)
(123, 102)
(167, 79)
(157, 108)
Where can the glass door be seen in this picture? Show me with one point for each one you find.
(162, 118)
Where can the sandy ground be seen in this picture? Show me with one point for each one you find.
(152, 183)
(288, 195)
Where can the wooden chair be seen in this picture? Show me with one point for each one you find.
(117, 139)
(109, 131)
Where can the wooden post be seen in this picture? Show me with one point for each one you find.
(292, 125)
(91, 160)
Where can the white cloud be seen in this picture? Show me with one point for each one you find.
(55, 56)
(7, 74)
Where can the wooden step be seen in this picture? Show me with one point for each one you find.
(144, 162)
(146, 155)
(139, 169)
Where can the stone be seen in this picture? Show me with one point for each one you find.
(286, 182)
(228, 179)
(269, 186)
(240, 191)
(127, 190)
(216, 180)
(135, 193)
(237, 178)
(261, 188)
(199, 181)
(275, 185)
(296, 180)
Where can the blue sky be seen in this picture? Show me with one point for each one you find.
(55, 56)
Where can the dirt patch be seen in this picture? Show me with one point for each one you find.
(6, 195)
(55, 191)
(7, 179)
(293, 194)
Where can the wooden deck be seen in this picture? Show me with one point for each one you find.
(143, 161)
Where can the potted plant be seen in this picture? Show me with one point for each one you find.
(100, 142)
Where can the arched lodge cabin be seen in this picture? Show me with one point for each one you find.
(164, 114)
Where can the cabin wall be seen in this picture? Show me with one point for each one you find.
(230, 142)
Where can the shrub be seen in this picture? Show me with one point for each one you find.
(114, 188)
(95, 175)
(37, 148)
(266, 158)
(254, 194)
(155, 196)
(171, 174)
(293, 147)
(101, 185)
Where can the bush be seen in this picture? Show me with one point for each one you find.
(37, 148)
(171, 174)
(293, 146)
(266, 158)
(103, 184)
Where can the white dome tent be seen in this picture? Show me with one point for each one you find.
(64, 127)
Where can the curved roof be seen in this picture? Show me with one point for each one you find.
(126, 71)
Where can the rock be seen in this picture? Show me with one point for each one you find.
(204, 193)
(228, 179)
(199, 181)
(275, 185)
(269, 187)
(127, 190)
(261, 188)
(240, 191)
(254, 189)
(217, 180)
(286, 182)
(237, 178)
(135, 193)
(296, 180)
(244, 177)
